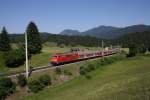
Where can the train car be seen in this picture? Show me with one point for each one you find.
(74, 56)
(63, 58)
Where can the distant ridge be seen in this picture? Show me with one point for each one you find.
(70, 32)
(108, 32)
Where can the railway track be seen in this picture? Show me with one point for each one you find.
(43, 68)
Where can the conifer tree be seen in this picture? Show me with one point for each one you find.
(34, 40)
(4, 41)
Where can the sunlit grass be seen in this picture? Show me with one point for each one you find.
(128, 79)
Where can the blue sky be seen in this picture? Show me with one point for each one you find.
(56, 15)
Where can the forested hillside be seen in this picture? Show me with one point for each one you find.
(62, 39)
(137, 38)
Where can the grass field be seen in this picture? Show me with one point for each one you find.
(128, 79)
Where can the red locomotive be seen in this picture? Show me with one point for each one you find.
(64, 58)
(74, 56)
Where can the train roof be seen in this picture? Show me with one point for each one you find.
(79, 52)
(60, 54)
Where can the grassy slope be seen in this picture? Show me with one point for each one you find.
(125, 80)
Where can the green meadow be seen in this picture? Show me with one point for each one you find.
(127, 79)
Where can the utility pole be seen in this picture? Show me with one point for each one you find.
(26, 53)
(102, 50)
(102, 45)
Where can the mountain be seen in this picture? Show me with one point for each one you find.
(109, 32)
(70, 32)
(101, 31)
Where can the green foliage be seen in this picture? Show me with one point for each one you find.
(35, 86)
(132, 50)
(14, 58)
(58, 70)
(66, 72)
(4, 41)
(45, 80)
(142, 48)
(64, 40)
(21, 80)
(6, 87)
(87, 76)
(82, 70)
(34, 40)
(149, 48)
(90, 67)
(139, 38)
(38, 84)
(110, 60)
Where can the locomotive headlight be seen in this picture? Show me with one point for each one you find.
(53, 60)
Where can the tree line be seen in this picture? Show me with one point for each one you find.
(62, 39)
(138, 42)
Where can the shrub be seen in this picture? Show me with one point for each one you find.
(21, 80)
(35, 86)
(40, 83)
(66, 72)
(82, 70)
(45, 80)
(103, 62)
(15, 58)
(3, 94)
(88, 76)
(58, 70)
(109, 60)
(90, 67)
(6, 87)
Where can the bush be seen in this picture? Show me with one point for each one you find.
(58, 70)
(6, 87)
(109, 60)
(40, 83)
(45, 80)
(66, 72)
(82, 70)
(90, 67)
(35, 86)
(88, 76)
(15, 58)
(21, 80)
